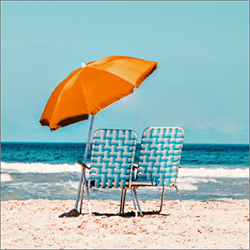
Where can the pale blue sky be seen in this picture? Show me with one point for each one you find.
(201, 84)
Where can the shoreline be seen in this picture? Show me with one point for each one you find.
(36, 224)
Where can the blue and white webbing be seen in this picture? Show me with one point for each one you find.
(160, 154)
(112, 157)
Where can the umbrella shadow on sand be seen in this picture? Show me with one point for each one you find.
(75, 213)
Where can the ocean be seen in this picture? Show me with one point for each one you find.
(49, 171)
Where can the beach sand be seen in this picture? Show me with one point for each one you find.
(35, 224)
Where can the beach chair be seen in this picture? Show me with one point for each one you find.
(159, 162)
(112, 158)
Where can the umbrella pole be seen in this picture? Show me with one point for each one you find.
(83, 170)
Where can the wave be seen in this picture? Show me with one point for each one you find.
(38, 168)
(187, 183)
(214, 172)
(5, 178)
(231, 200)
(196, 180)
(73, 186)
(219, 172)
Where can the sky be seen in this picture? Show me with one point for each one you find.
(201, 47)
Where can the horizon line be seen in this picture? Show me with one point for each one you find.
(204, 143)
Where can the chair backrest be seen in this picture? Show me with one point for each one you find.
(112, 157)
(160, 154)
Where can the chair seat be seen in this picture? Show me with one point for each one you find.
(144, 182)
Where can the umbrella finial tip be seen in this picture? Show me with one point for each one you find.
(83, 65)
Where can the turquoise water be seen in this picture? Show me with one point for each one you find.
(49, 171)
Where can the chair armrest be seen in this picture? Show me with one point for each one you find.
(135, 167)
(83, 165)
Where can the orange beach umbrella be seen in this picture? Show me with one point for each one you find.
(89, 89)
(93, 87)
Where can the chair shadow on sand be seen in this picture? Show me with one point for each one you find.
(130, 214)
(74, 213)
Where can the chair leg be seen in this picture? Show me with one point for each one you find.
(124, 200)
(121, 202)
(180, 200)
(85, 183)
(162, 198)
(135, 193)
(133, 197)
(81, 198)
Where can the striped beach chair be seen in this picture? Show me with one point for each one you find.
(112, 158)
(159, 161)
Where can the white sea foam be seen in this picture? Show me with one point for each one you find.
(187, 186)
(231, 200)
(74, 184)
(218, 172)
(195, 180)
(39, 168)
(187, 183)
(214, 172)
(5, 178)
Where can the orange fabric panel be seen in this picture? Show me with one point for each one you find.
(130, 69)
(102, 88)
(92, 88)
(65, 102)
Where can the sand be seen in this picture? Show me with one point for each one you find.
(36, 224)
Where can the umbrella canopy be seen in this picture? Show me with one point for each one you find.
(89, 89)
